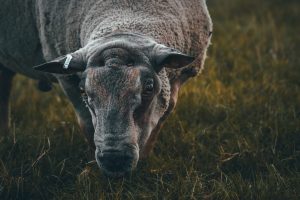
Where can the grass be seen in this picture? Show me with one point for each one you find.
(235, 133)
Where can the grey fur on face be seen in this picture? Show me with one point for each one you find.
(125, 98)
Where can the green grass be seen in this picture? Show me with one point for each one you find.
(235, 133)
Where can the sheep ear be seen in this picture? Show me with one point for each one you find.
(170, 58)
(68, 64)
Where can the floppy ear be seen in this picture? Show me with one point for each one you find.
(170, 58)
(67, 64)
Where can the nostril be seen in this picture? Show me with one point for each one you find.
(115, 161)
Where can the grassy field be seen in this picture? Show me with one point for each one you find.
(235, 133)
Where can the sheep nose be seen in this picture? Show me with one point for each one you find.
(115, 161)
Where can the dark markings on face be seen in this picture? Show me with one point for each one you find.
(117, 74)
(124, 88)
(120, 92)
(109, 87)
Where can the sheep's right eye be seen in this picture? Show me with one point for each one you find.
(82, 91)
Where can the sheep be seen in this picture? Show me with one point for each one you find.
(120, 63)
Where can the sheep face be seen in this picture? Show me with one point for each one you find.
(126, 91)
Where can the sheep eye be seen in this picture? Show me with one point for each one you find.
(81, 90)
(82, 93)
(149, 86)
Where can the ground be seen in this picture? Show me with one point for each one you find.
(235, 133)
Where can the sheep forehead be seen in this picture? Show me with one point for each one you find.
(104, 81)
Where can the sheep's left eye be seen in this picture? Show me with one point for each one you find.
(149, 86)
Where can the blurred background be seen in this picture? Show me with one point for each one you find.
(235, 133)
